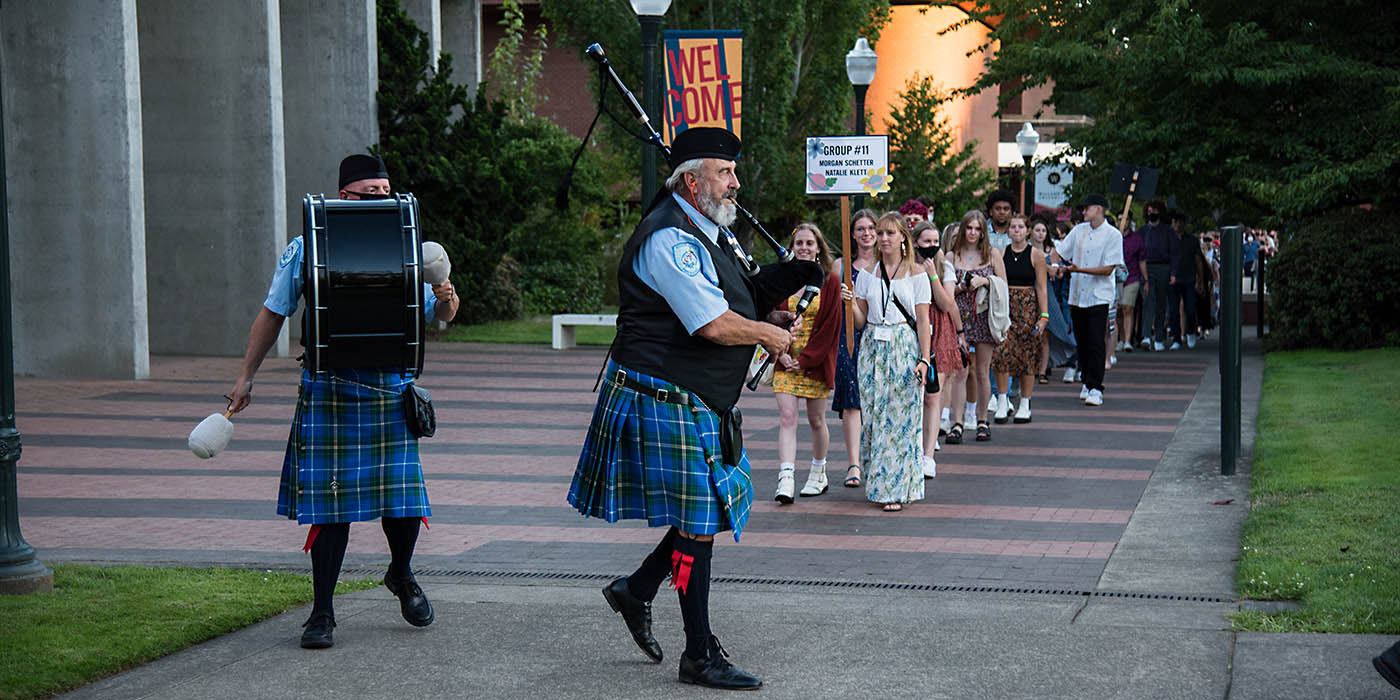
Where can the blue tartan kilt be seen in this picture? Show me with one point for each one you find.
(350, 456)
(644, 459)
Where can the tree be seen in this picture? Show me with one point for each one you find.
(795, 81)
(924, 159)
(1285, 108)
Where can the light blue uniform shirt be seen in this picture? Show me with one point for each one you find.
(284, 293)
(676, 265)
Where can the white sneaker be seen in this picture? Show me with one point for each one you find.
(785, 486)
(1113, 361)
(930, 467)
(1176, 345)
(1191, 341)
(1084, 392)
(944, 425)
(1023, 413)
(937, 445)
(1158, 346)
(1069, 375)
(1078, 375)
(1146, 343)
(816, 482)
(1003, 406)
(1095, 398)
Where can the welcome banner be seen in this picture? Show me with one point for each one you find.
(704, 80)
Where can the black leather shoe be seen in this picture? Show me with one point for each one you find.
(318, 631)
(715, 671)
(637, 615)
(1388, 663)
(412, 603)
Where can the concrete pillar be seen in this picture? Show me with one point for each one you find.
(461, 37)
(427, 14)
(216, 196)
(330, 72)
(74, 159)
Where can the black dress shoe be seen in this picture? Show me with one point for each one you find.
(715, 671)
(318, 631)
(412, 603)
(1388, 663)
(637, 615)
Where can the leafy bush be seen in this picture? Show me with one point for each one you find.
(487, 178)
(1335, 283)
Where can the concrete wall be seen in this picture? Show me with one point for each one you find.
(461, 37)
(427, 14)
(216, 194)
(73, 172)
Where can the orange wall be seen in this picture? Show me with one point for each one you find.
(910, 45)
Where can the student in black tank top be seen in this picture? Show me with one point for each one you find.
(1019, 354)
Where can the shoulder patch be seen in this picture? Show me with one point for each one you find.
(291, 252)
(687, 257)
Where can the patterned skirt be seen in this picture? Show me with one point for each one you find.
(975, 327)
(350, 456)
(847, 389)
(797, 383)
(945, 341)
(892, 424)
(1019, 354)
(659, 462)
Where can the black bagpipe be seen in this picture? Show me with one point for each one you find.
(363, 280)
(784, 276)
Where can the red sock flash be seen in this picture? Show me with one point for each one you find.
(311, 537)
(680, 570)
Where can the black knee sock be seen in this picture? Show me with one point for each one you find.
(327, 553)
(654, 569)
(691, 578)
(402, 534)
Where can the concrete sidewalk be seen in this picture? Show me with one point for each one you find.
(1149, 622)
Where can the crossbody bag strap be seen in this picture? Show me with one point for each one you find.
(907, 316)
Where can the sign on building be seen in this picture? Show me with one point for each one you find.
(704, 80)
(848, 165)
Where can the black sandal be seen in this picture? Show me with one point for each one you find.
(984, 431)
(852, 480)
(955, 434)
(1043, 379)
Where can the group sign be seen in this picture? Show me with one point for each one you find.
(704, 80)
(848, 165)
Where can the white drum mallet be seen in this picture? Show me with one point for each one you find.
(211, 436)
(436, 266)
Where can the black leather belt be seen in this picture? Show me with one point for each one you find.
(621, 379)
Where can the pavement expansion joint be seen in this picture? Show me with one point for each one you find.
(787, 582)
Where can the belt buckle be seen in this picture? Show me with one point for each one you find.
(620, 378)
(662, 395)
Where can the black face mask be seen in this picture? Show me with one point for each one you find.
(369, 195)
(927, 252)
(1153, 217)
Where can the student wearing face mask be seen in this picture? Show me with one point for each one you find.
(945, 323)
(1163, 256)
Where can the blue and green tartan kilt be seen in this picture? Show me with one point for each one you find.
(350, 456)
(644, 459)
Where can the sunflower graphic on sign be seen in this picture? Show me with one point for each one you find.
(876, 181)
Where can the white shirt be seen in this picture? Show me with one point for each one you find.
(1091, 247)
(911, 290)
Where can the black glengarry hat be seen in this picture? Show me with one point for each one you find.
(704, 142)
(361, 167)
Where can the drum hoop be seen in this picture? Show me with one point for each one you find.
(314, 348)
(413, 349)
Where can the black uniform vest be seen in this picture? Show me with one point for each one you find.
(652, 340)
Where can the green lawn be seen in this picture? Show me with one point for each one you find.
(101, 620)
(531, 330)
(1324, 524)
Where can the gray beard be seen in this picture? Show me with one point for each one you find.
(719, 209)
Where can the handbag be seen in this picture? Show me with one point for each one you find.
(418, 411)
(931, 381)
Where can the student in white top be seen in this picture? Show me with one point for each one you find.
(1091, 252)
(892, 306)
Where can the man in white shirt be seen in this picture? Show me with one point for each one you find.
(1091, 251)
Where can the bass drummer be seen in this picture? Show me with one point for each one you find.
(350, 455)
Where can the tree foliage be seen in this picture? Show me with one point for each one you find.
(795, 81)
(486, 180)
(924, 158)
(1285, 108)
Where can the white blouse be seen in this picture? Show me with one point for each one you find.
(911, 291)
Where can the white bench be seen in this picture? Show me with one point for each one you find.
(564, 325)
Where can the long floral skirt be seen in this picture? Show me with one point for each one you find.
(1019, 354)
(892, 428)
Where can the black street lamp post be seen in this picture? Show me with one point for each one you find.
(649, 14)
(20, 570)
(1027, 140)
(860, 70)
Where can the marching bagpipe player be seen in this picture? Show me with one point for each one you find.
(665, 442)
(350, 455)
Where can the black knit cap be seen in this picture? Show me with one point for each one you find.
(361, 167)
(1095, 198)
(704, 142)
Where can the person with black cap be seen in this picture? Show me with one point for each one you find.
(337, 471)
(665, 444)
(1093, 249)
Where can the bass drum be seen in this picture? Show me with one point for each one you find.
(363, 281)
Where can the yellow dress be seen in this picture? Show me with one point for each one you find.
(797, 383)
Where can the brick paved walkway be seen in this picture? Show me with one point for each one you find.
(106, 475)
